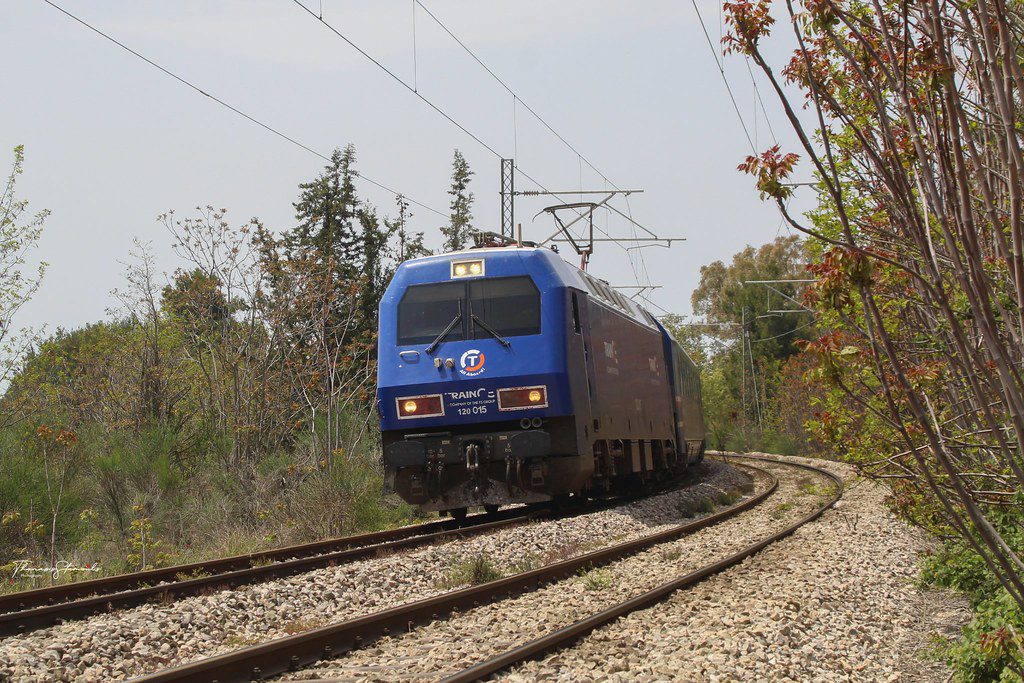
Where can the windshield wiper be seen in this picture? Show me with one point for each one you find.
(490, 330)
(446, 331)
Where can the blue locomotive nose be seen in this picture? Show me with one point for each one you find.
(505, 375)
(483, 347)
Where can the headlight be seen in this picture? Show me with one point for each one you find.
(523, 398)
(473, 268)
(420, 406)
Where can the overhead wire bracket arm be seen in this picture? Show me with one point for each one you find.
(540, 193)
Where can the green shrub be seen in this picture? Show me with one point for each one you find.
(470, 571)
(597, 580)
(728, 497)
(704, 505)
(992, 644)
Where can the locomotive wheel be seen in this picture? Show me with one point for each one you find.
(458, 513)
(560, 501)
(491, 509)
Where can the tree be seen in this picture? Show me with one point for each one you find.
(56, 451)
(408, 245)
(919, 236)
(326, 212)
(19, 236)
(344, 238)
(750, 357)
(460, 222)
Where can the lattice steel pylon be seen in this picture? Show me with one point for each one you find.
(508, 191)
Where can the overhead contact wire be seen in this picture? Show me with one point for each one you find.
(513, 93)
(267, 127)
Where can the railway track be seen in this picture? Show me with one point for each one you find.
(44, 607)
(566, 635)
(282, 655)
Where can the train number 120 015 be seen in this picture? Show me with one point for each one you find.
(472, 410)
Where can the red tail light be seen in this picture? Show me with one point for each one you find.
(523, 398)
(419, 406)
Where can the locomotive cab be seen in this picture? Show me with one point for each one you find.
(475, 381)
(506, 375)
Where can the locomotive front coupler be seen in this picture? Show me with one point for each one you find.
(472, 450)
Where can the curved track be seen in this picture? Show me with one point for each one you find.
(293, 652)
(568, 634)
(44, 607)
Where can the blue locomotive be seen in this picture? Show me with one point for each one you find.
(507, 375)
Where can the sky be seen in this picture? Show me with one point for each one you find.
(111, 142)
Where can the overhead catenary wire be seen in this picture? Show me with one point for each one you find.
(788, 332)
(732, 97)
(280, 134)
(514, 94)
(580, 156)
(265, 126)
(415, 65)
(721, 70)
(396, 78)
(451, 119)
(764, 110)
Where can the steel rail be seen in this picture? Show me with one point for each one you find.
(175, 582)
(569, 634)
(128, 590)
(111, 584)
(292, 652)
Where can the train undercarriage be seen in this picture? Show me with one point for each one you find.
(531, 462)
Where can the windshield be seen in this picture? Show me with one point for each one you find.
(510, 306)
(426, 310)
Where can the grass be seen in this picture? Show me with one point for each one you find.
(781, 510)
(704, 506)
(194, 574)
(807, 487)
(527, 564)
(302, 625)
(568, 550)
(729, 497)
(671, 554)
(596, 579)
(829, 491)
(470, 571)
(237, 642)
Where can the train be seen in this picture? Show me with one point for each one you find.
(507, 375)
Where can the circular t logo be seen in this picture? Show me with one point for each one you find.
(471, 363)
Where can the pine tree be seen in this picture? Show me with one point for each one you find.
(408, 245)
(375, 271)
(339, 237)
(326, 212)
(460, 224)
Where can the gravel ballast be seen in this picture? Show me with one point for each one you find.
(449, 645)
(131, 642)
(834, 602)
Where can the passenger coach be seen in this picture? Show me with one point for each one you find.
(507, 375)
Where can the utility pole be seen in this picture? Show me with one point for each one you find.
(743, 361)
(770, 286)
(508, 193)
